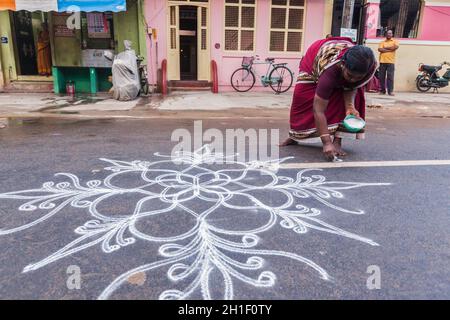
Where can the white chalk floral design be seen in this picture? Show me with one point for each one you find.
(192, 256)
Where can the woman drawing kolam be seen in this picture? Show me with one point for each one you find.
(330, 86)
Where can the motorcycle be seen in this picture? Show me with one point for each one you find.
(429, 78)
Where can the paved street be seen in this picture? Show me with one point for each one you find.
(46, 105)
(146, 230)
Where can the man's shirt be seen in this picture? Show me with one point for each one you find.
(388, 57)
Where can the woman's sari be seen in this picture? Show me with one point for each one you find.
(320, 57)
(44, 60)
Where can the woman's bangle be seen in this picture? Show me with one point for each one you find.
(325, 135)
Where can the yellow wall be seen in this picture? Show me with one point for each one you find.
(408, 58)
(7, 49)
(328, 17)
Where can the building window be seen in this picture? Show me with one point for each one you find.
(204, 25)
(240, 17)
(173, 27)
(286, 25)
(401, 16)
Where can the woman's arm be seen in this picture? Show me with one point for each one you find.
(349, 100)
(388, 49)
(319, 107)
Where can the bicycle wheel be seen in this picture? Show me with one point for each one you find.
(145, 88)
(242, 80)
(280, 79)
(144, 82)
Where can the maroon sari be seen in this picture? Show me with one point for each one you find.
(320, 74)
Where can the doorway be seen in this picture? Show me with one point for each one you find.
(25, 45)
(338, 8)
(31, 43)
(188, 56)
(188, 43)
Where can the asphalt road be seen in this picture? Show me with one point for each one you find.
(196, 225)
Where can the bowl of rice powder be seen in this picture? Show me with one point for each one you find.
(354, 124)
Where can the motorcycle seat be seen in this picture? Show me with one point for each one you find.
(430, 69)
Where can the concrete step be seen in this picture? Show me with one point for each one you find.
(29, 86)
(189, 89)
(189, 84)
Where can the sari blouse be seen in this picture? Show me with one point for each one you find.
(332, 79)
(320, 66)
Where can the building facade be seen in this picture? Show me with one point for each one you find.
(190, 34)
(423, 31)
(77, 41)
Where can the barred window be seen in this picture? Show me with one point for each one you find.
(240, 16)
(287, 25)
(173, 27)
(203, 28)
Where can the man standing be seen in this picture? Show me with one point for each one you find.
(387, 50)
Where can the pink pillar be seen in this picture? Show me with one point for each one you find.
(373, 14)
(216, 30)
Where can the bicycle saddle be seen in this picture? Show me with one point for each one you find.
(270, 59)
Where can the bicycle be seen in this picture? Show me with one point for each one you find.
(143, 76)
(278, 76)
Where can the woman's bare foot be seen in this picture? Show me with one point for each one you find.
(288, 142)
(338, 147)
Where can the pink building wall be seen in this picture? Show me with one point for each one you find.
(435, 24)
(156, 17)
(227, 62)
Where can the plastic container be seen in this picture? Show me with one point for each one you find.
(353, 124)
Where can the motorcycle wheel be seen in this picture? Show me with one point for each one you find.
(422, 83)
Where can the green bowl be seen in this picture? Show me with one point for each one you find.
(353, 124)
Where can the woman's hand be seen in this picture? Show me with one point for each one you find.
(351, 110)
(349, 101)
(329, 151)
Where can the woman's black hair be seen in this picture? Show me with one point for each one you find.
(358, 59)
